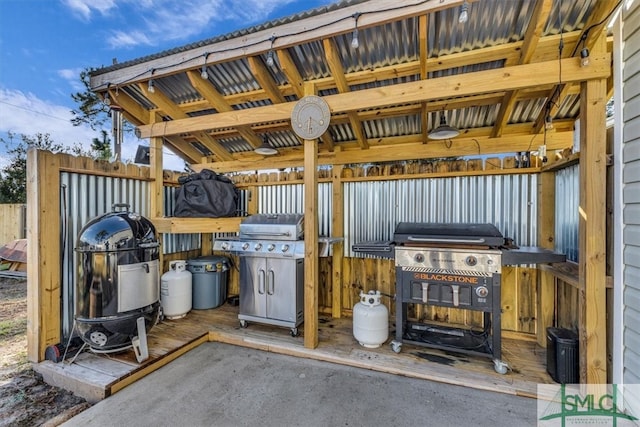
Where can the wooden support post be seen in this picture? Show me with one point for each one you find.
(156, 187)
(311, 262)
(338, 231)
(592, 230)
(311, 243)
(43, 253)
(545, 310)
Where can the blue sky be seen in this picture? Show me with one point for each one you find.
(45, 44)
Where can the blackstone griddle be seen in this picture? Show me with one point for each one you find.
(455, 266)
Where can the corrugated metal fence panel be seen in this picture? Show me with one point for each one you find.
(289, 198)
(373, 209)
(84, 197)
(171, 242)
(631, 196)
(567, 203)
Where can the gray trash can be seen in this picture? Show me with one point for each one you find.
(210, 275)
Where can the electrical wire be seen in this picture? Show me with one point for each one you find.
(33, 111)
(585, 34)
(480, 154)
(271, 40)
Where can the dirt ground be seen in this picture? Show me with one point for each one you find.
(26, 400)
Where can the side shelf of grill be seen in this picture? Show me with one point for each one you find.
(379, 248)
(531, 255)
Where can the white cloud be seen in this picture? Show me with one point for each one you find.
(25, 114)
(122, 39)
(168, 20)
(72, 76)
(85, 8)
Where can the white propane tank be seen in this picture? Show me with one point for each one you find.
(370, 320)
(175, 290)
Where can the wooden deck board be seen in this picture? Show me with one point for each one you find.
(102, 375)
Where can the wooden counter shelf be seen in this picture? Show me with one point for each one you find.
(568, 272)
(196, 225)
(97, 376)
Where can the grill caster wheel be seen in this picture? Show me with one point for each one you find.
(396, 346)
(243, 324)
(294, 332)
(500, 367)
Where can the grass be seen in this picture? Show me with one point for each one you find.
(12, 327)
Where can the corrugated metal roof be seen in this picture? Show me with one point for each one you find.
(491, 23)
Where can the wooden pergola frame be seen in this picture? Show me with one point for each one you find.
(531, 71)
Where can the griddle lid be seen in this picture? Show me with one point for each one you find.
(433, 233)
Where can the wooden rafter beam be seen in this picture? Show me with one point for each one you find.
(264, 79)
(383, 113)
(496, 80)
(183, 149)
(133, 111)
(410, 149)
(539, 18)
(171, 109)
(291, 72)
(337, 71)
(592, 31)
(217, 101)
(547, 48)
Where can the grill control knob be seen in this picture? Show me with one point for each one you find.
(418, 258)
(471, 260)
(284, 248)
(271, 247)
(225, 246)
(258, 246)
(482, 291)
(245, 246)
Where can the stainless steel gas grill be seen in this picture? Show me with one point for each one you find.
(456, 266)
(271, 251)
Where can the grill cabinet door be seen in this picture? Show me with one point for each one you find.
(283, 277)
(253, 295)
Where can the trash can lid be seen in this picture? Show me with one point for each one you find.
(208, 260)
(566, 336)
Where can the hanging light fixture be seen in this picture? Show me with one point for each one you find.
(151, 87)
(355, 42)
(270, 60)
(584, 57)
(203, 71)
(444, 131)
(266, 149)
(464, 12)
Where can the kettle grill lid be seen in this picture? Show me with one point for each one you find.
(116, 231)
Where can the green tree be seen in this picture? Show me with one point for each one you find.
(13, 177)
(102, 147)
(91, 110)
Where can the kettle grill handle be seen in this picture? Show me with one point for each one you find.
(120, 205)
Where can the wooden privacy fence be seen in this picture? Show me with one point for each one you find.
(340, 278)
(13, 219)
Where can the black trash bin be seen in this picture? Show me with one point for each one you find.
(210, 275)
(562, 355)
